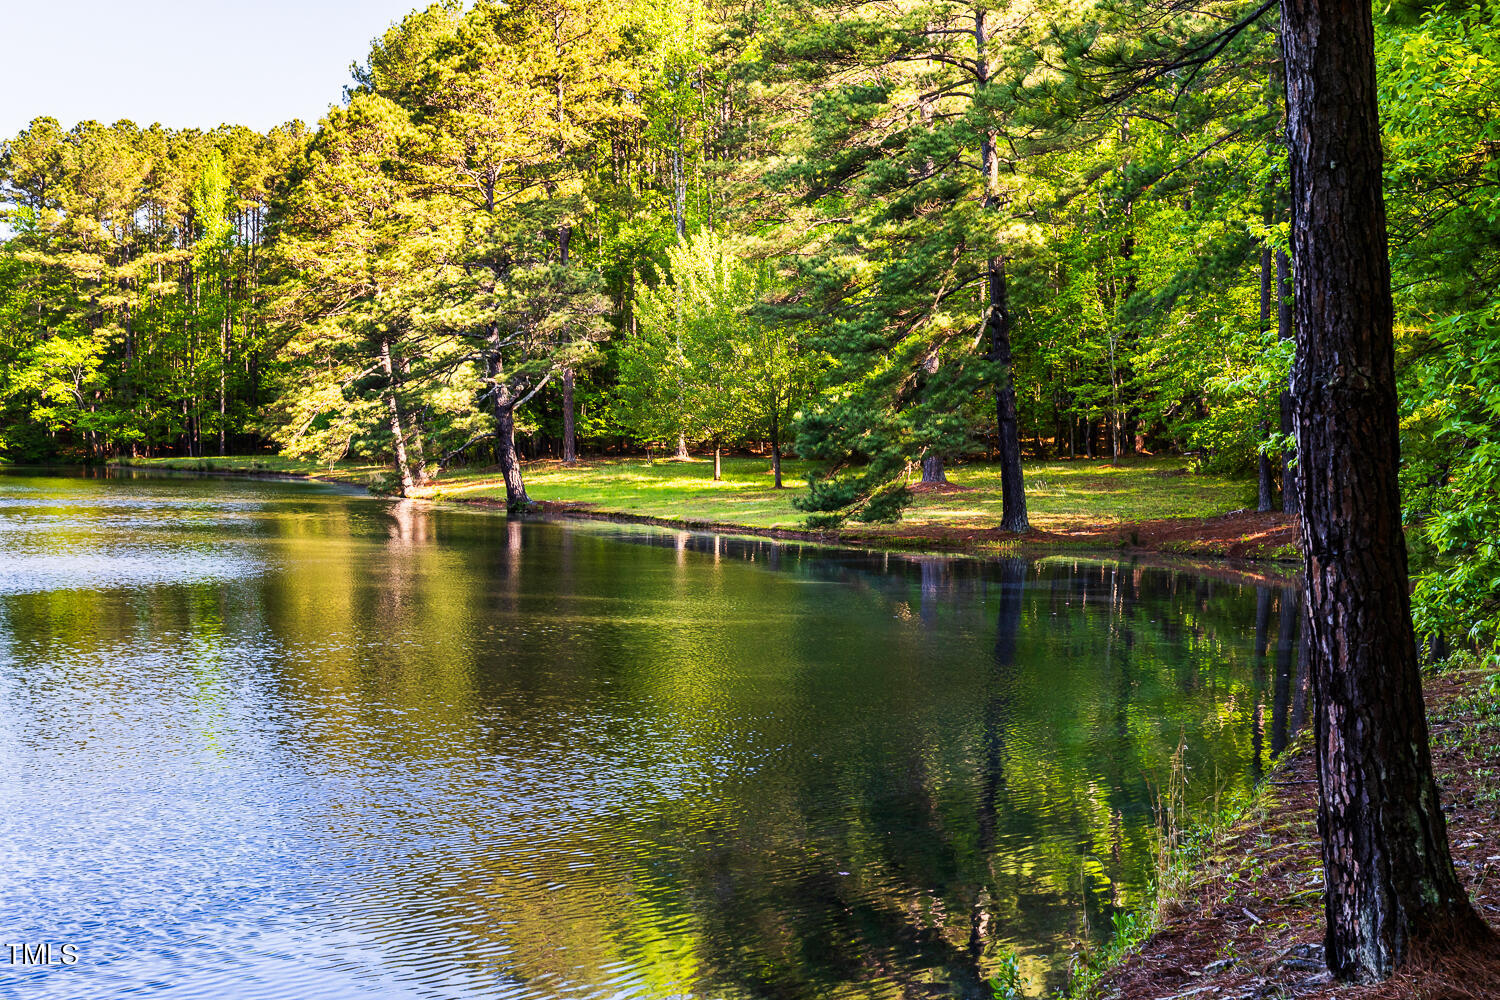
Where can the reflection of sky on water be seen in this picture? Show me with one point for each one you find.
(40, 572)
(309, 745)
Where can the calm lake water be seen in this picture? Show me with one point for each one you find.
(275, 740)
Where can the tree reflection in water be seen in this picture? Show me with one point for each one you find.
(593, 758)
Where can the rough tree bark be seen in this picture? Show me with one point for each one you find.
(503, 407)
(1012, 482)
(932, 469)
(1390, 880)
(570, 440)
(516, 500)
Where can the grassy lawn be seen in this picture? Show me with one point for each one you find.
(1060, 495)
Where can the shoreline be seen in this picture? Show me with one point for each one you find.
(1244, 541)
(1239, 910)
(1242, 915)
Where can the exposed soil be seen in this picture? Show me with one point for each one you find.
(1251, 923)
(943, 487)
(1238, 536)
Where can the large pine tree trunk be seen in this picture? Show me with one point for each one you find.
(932, 469)
(516, 500)
(1389, 877)
(1012, 482)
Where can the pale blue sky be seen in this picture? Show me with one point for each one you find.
(184, 63)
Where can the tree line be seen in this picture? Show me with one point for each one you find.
(886, 236)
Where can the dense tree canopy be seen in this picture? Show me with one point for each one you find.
(890, 235)
(887, 236)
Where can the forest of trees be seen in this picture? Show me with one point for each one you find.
(881, 236)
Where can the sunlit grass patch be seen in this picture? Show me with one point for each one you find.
(1060, 495)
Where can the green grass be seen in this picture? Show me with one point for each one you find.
(1060, 495)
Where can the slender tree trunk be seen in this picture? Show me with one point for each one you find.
(1389, 876)
(718, 469)
(503, 407)
(1267, 498)
(414, 431)
(1012, 480)
(679, 186)
(1266, 479)
(1275, 101)
(570, 442)
(398, 438)
(1114, 399)
(418, 453)
(1124, 343)
(564, 241)
(997, 319)
(225, 326)
(1291, 501)
(776, 450)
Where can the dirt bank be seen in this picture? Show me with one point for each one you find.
(1239, 536)
(1251, 923)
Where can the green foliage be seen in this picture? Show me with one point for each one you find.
(705, 362)
(763, 223)
(1440, 84)
(132, 287)
(1006, 983)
